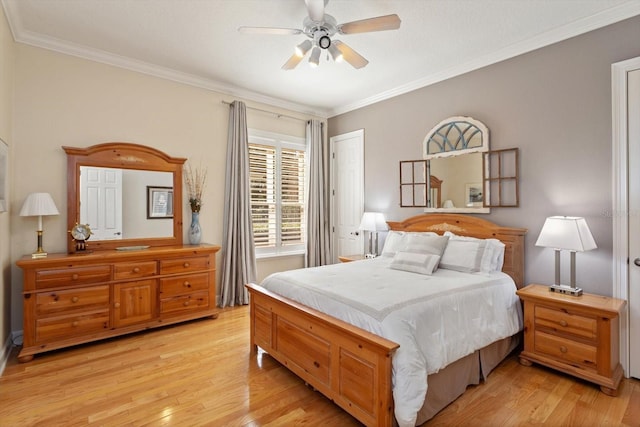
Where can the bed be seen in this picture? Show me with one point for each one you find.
(356, 367)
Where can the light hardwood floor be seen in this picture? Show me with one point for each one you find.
(203, 373)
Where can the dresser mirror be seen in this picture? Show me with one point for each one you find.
(108, 189)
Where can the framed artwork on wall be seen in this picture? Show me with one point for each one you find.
(473, 194)
(4, 175)
(159, 202)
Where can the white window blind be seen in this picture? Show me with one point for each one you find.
(277, 170)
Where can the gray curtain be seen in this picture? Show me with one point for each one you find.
(238, 254)
(318, 226)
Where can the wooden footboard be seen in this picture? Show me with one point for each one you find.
(347, 364)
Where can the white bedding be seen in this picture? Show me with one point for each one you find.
(436, 319)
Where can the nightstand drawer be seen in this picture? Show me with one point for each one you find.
(566, 350)
(563, 321)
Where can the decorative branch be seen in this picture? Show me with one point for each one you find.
(195, 180)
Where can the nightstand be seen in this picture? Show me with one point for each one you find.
(349, 258)
(575, 335)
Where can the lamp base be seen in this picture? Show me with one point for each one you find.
(38, 255)
(567, 290)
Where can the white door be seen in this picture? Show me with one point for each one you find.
(347, 184)
(633, 127)
(101, 207)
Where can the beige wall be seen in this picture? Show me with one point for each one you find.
(63, 100)
(554, 104)
(7, 47)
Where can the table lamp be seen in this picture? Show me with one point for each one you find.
(566, 233)
(39, 204)
(373, 222)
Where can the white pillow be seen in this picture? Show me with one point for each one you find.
(415, 262)
(393, 243)
(425, 243)
(486, 255)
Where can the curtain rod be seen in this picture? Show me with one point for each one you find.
(279, 115)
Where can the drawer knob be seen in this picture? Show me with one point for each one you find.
(563, 349)
(116, 305)
(136, 269)
(74, 324)
(186, 265)
(563, 323)
(186, 303)
(187, 284)
(75, 299)
(74, 277)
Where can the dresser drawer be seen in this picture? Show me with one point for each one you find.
(59, 277)
(563, 321)
(566, 350)
(185, 303)
(72, 299)
(69, 325)
(183, 285)
(134, 270)
(184, 265)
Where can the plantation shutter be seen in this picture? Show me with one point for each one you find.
(262, 174)
(292, 197)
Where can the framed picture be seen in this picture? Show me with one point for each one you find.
(159, 202)
(473, 195)
(4, 175)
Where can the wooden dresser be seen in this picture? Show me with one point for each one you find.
(576, 335)
(78, 298)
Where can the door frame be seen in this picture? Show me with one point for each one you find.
(332, 183)
(620, 201)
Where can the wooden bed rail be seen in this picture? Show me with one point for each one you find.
(347, 364)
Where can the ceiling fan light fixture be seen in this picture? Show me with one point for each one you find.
(324, 42)
(303, 48)
(314, 59)
(335, 53)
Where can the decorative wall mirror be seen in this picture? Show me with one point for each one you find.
(107, 188)
(463, 174)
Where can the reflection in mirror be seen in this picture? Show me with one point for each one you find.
(109, 194)
(136, 167)
(460, 175)
(453, 149)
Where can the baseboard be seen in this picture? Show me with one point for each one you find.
(6, 351)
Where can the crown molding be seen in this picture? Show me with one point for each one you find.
(581, 26)
(21, 35)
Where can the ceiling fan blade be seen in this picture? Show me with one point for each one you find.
(380, 23)
(292, 62)
(270, 30)
(351, 56)
(315, 9)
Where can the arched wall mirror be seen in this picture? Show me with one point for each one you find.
(129, 194)
(458, 172)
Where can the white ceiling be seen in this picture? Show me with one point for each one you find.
(197, 42)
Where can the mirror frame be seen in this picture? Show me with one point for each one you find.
(445, 126)
(123, 155)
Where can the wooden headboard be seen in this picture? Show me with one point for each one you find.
(464, 225)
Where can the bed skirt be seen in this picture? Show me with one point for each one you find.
(451, 382)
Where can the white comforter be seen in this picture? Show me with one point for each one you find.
(436, 319)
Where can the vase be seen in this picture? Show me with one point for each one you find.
(195, 232)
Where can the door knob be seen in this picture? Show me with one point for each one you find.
(637, 262)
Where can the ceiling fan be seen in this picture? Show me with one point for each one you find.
(320, 27)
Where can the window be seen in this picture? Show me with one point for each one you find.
(277, 169)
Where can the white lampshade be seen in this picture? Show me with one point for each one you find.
(566, 232)
(373, 221)
(39, 204)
